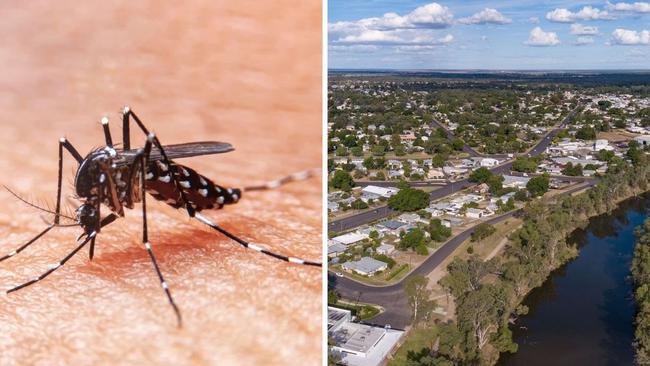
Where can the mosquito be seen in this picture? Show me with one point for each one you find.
(119, 177)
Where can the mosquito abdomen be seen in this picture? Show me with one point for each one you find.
(200, 191)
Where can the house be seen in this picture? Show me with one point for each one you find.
(436, 174)
(365, 266)
(409, 218)
(350, 238)
(332, 206)
(643, 140)
(482, 188)
(335, 249)
(489, 162)
(375, 192)
(386, 249)
(359, 344)
(511, 181)
(474, 213)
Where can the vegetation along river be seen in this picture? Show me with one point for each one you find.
(583, 314)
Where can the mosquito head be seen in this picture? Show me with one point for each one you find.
(88, 175)
(87, 217)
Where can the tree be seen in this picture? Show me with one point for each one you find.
(358, 204)
(538, 185)
(480, 175)
(572, 170)
(409, 199)
(378, 150)
(332, 297)
(419, 296)
(524, 165)
(458, 145)
(586, 133)
(438, 231)
(482, 231)
(341, 151)
(342, 180)
(412, 239)
(357, 151)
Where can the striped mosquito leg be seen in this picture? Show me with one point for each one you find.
(254, 246)
(63, 143)
(28, 244)
(305, 174)
(145, 234)
(90, 237)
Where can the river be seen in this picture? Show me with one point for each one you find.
(583, 314)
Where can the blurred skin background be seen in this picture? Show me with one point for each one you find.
(246, 73)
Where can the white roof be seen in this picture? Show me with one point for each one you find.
(382, 191)
(350, 238)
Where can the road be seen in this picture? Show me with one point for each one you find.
(445, 190)
(397, 312)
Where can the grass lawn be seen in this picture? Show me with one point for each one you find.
(415, 340)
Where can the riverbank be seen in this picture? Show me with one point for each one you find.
(641, 276)
(489, 294)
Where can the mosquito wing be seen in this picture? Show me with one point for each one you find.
(177, 151)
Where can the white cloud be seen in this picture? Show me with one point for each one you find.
(630, 37)
(485, 16)
(637, 7)
(562, 15)
(583, 30)
(539, 38)
(396, 37)
(414, 28)
(583, 40)
(533, 20)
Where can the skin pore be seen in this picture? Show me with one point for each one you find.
(213, 71)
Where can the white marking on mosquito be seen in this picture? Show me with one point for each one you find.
(203, 192)
(149, 176)
(162, 165)
(203, 219)
(165, 178)
(56, 266)
(151, 137)
(235, 197)
(185, 184)
(301, 175)
(147, 245)
(185, 172)
(255, 247)
(62, 140)
(13, 253)
(203, 182)
(102, 178)
(230, 190)
(164, 285)
(126, 109)
(296, 260)
(104, 120)
(221, 200)
(274, 183)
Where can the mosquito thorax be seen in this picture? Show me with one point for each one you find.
(89, 173)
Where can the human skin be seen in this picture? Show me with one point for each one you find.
(246, 74)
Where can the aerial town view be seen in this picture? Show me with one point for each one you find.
(485, 217)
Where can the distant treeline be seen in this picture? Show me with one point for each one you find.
(638, 82)
(641, 276)
(488, 295)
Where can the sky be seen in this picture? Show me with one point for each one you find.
(488, 35)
